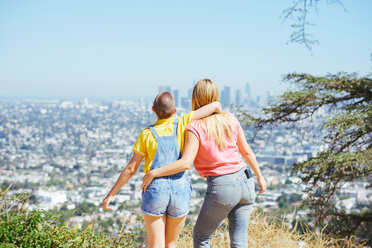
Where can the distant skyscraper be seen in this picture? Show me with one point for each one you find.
(186, 103)
(248, 97)
(238, 98)
(269, 96)
(176, 97)
(225, 96)
(86, 102)
(259, 101)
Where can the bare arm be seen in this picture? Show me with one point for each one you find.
(188, 155)
(249, 156)
(125, 175)
(207, 110)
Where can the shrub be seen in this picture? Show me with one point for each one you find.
(20, 227)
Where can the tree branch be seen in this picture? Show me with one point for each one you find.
(299, 12)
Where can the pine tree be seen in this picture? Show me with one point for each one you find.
(347, 100)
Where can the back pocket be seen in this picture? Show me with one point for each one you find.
(154, 202)
(249, 196)
(223, 194)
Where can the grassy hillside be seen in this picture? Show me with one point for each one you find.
(265, 231)
(23, 228)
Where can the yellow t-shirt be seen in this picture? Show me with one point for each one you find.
(146, 143)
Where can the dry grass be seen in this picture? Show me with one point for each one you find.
(265, 231)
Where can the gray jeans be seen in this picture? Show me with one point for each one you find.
(231, 196)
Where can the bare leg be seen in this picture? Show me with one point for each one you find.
(173, 229)
(155, 229)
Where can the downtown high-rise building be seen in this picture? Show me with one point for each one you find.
(186, 103)
(238, 98)
(225, 96)
(270, 96)
(248, 97)
(176, 97)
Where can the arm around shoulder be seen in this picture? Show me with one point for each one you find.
(207, 110)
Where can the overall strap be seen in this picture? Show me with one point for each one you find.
(154, 132)
(175, 125)
(156, 135)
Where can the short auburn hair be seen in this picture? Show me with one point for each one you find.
(164, 105)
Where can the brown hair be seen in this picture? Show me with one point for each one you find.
(219, 126)
(164, 105)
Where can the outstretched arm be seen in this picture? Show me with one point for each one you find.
(249, 156)
(189, 152)
(207, 110)
(125, 175)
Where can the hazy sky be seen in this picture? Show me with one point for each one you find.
(117, 49)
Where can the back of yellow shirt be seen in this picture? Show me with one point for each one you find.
(146, 143)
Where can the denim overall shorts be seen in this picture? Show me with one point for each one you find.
(168, 195)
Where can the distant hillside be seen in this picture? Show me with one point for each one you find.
(20, 227)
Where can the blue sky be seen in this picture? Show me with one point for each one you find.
(119, 49)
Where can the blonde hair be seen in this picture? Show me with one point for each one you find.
(219, 126)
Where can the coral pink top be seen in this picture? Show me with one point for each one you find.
(210, 160)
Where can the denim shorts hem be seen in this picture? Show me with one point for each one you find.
(160, 215)
(151, 214)
(180, 215)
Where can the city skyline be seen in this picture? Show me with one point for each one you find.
(226, 95)
(238, 97)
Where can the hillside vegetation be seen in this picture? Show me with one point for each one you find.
(20, 227)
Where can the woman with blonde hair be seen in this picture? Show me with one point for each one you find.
(213, 144)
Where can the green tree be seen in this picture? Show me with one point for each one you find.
(84, 207)
(282, 202)
(288, 181)
(346, 101)
(293, 198)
